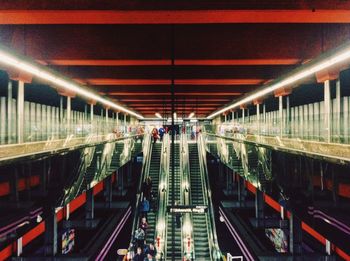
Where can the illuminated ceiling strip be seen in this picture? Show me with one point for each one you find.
(317, 66)
(191, 115)
(13, 61)
(158, 115)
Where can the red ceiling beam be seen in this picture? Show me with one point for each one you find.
(104, 81)
(176, 94)
(167, 100)
(137, 105)
(172, 17)
(165, 62)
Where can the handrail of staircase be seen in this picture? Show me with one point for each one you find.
(147, 149)
(215, 252)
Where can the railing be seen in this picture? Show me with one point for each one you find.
(213, 241)
(305, 122)
(231, 257)
(162, 199)
(47, 123)
(147, 149)
(187, 226)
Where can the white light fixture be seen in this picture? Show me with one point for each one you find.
(53, 78)
(336, 58)
(191, 115)
(158, 115)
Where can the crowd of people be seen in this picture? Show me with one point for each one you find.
(139, 249)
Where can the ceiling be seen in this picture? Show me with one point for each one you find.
(221, 49)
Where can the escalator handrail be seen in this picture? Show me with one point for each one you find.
(214, 245)
(186, 174)
(159, 182)
(164, 174)
(145, 169)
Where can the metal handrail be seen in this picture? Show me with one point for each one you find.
(147, 149)
(186, 172)
(165, 164)
(214, 245)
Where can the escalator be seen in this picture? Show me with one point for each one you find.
(91, 170)
(115, 162)
(174, 248)
(199, 221)
(235, 162)
(154, 174)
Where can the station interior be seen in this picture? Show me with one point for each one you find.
(175, 130)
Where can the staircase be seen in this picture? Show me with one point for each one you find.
(115, 162)
(176, 248)
(200, 232)
(235, 162)
(90, 173)
(213, 149)
(137, 149)
(154, 174)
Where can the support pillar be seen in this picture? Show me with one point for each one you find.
(240, 190)
(233, 116)
(117, 120)
(295, 235)
(69, 110)
(338, 108)
(106, 128)
(280, 112)
(108, 192)
(264, 116)
(243, 116)
(90, 205)
(125, 127)
(9, 111)
(287, 120)
(327, 110)
(259, 206)
(20, 112)
(51, 233)
(258, 116)
(61, 109)
(14, 186)
(43, 176)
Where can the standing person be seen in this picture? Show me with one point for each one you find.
(151, 250)
(147, 188)
(149, 257)
(144, 207)
(155, 135)
(144, 225)
(161, 133)
(139, 255)
(139, 237)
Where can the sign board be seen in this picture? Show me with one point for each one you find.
(187, 209)
(122, 251)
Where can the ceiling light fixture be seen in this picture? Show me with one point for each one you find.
(39, 71)
(324, 62)
(158, 115)
(191, 115)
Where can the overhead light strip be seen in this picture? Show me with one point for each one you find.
(158, 115)
(331, 60)
(13, 61)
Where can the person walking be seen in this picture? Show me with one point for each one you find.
(155, 135)
(161, 133)
(144, 225)
(150, 249)
(144, 207)
(139, 255)
(139, 237)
